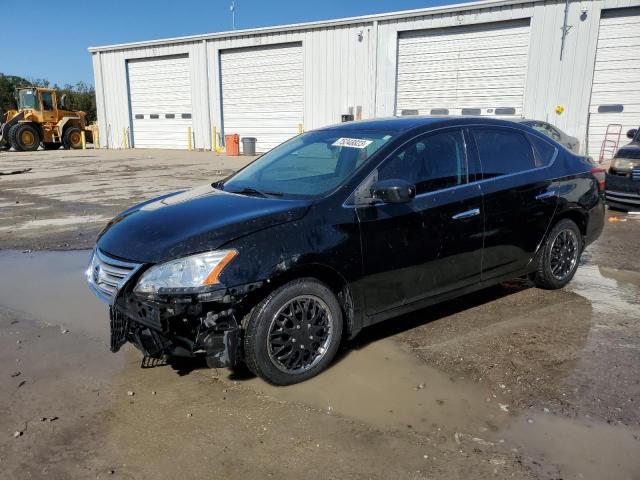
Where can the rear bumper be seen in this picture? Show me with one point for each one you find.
(622, 192)
(595, 223)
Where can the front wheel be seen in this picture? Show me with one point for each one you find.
(560, 257)
(294, 333)
(24, 137)
(72, 138)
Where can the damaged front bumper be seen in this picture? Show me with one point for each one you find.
(216, 335)
(186, 325)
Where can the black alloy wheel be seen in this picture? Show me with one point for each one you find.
(560, 256)
(293, 333)
(299, 334)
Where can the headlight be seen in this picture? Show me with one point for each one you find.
(624, 164)
(185, 275)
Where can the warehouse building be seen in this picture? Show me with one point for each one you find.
(574, 64)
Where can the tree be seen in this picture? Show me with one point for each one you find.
(8, 84)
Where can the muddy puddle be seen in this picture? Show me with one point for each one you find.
(610, 290)
(385, 386)
(557, 447)
(50, 287)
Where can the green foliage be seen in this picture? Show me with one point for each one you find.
(79, 96)
(8, 84)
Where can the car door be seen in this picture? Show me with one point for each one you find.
(431, 244)
(520, 199)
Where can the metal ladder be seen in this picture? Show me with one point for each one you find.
(610, 143)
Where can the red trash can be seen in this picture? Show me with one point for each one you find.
(232, 144)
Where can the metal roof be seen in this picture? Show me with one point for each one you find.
(379, 17)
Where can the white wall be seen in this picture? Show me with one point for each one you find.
(342, 71)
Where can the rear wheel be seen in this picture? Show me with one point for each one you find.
(294, 333)
(559, 260)
(24, 137)
(72, 138)
(51, 145)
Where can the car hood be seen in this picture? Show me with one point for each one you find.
(190, 222)
(631, 150)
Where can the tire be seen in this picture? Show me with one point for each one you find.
(283, 314)
(24, 137)
(72, 139)
(51, 145)
(560, 257)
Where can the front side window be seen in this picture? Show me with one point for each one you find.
(27, 99)
(503, 151)
(310, 164)
(47, 101)
(430, 163)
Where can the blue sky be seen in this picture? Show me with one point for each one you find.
(50, 39)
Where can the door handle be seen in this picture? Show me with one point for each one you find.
(467, 214)
(547, 194)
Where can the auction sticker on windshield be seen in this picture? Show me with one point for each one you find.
(352, 143)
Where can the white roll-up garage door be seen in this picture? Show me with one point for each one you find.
(160, 96)
(615, 96)
(468, 70)
(262, 93)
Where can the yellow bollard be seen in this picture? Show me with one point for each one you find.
(218, 149)
(189, 139)
(124, 138)
(300, 128)
(214, 140)
(83, 138)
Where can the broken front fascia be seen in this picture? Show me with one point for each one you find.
(182, 325)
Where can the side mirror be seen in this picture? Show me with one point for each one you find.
(393, 191)
(63, 101)
(632, 133)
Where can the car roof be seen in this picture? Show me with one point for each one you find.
(393, 124)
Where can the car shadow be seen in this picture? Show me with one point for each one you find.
(424, 316)
(382, 330)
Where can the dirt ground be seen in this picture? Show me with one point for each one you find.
(510, 382)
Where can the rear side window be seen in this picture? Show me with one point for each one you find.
(503, 151)
(544, 151)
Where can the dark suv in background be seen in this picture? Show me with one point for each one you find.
(341, 228)
(623, 177)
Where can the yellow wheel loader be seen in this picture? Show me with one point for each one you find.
(41, 118)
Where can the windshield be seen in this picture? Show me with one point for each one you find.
(310, 164)
(27, 99)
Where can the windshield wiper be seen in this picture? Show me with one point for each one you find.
(254, 192)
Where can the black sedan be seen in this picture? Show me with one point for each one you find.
(338, 229)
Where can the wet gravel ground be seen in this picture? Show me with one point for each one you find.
(71, 194)
(510, 382)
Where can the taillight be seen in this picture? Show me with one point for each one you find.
(598, 172)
